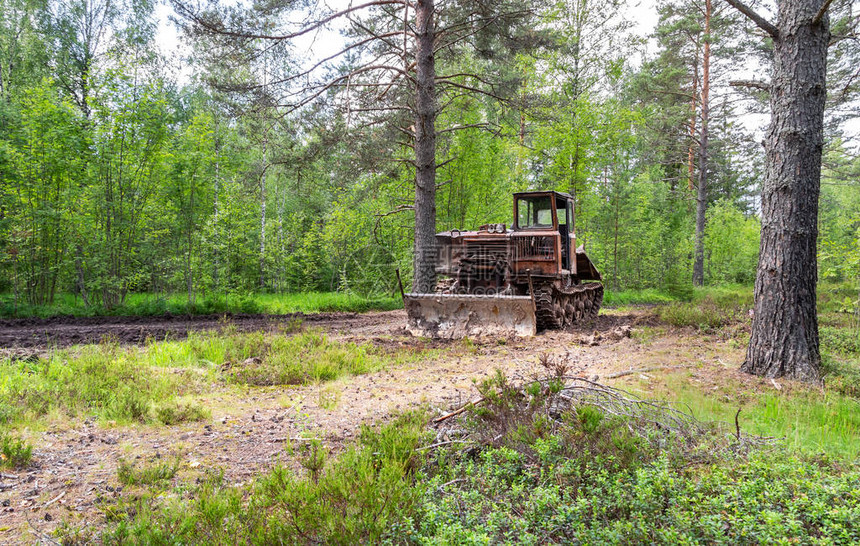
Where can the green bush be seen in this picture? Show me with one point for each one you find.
(592, 499)
(705, 314)
(304, 358)
(844, 341)
(153, 473)
(14, 452)
(172, 412)
(362, 496)
(841, 377)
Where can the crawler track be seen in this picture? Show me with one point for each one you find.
(559, 308)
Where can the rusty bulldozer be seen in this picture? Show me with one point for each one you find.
(500, 281)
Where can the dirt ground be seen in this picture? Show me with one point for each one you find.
(73, 477)
(39, 333)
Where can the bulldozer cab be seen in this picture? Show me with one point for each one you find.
(550, 212)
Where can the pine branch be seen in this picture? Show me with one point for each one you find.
(760, 21)
(756, 84)
(217, 27)
(820, 15)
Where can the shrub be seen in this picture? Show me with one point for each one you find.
(172, 412)
(359, 497)
(152, 473)
(840, 340)
(705, 314)
(304, 358)
(14, 452)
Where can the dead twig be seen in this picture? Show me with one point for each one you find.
(738, 425)
(645, 370)
(458, 411)
(55, 499)
(440, 444)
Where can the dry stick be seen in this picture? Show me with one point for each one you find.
(55, 499)
(440, 444)
(644, 370)
(459, 410)
(738, 425)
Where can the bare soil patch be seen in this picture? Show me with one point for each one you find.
(38, 333)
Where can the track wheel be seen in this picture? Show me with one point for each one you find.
(549, 315)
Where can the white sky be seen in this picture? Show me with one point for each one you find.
(318, 45)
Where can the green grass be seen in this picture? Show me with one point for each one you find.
(113, 382)
(147, 473)
(14, 452)
(157, 382)
(810, 421)
(839, 298)
(155, 304)
(722, 295)
(310, 357)
(636, 297)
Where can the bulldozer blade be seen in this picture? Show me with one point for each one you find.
(452, 316)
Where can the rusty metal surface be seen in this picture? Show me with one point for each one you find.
(453, 316)
(495, 260)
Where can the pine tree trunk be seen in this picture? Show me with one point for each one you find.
(702, 186)
(784, 339)
(424, 279)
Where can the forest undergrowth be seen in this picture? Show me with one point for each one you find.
(533, 463)
(763, 462)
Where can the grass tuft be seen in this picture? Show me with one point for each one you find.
(809, 421)
(177, 304)
(172, 412)
(147, 474)
(14, 452)
(309, 357)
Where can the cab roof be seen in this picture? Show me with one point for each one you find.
(538, 193)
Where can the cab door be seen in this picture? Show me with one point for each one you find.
(571, 238)
(564, 230)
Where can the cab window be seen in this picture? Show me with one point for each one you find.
(534, 212)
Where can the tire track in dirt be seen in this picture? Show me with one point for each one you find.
(37, 333)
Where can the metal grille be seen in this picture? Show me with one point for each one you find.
(485, 259)
(531, 248)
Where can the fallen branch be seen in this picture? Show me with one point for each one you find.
(459, 410)
(645, 370)
(452, 482)
(440, 444)
(55, 499)
(738, 425)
